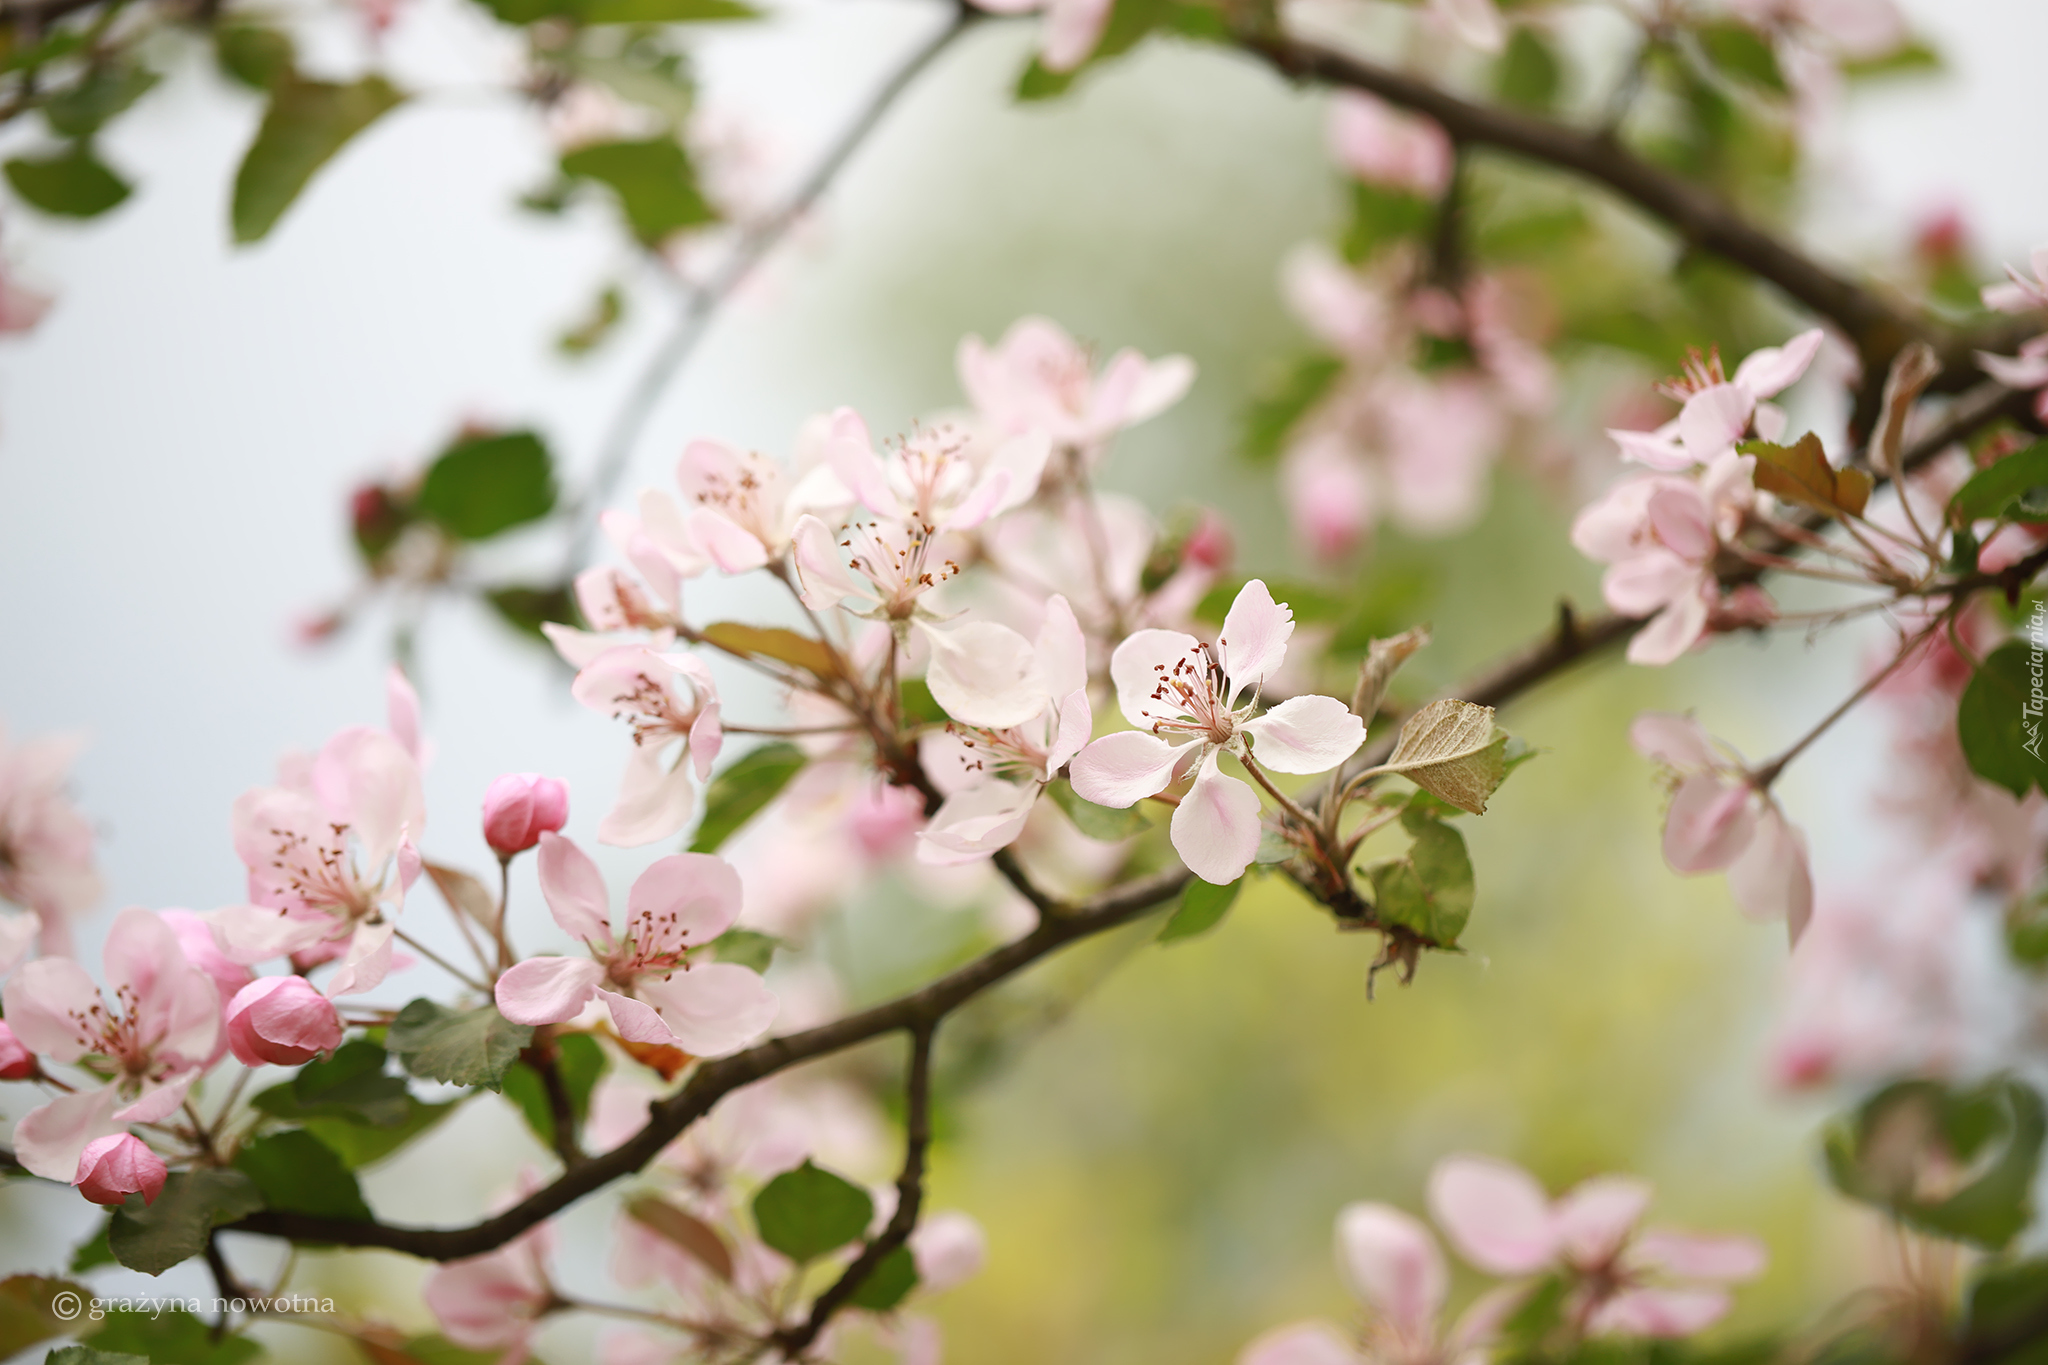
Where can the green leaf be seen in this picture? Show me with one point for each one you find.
(598, 324)
(746, 948)
(527, 609)
(1528, 75)
(257, 57)
(483, 485)
(298, 1173)
(579, 1060)
(306, 124)
(1801, 473)
(359, 1145)
(350, 1084)
(71, 184)
(152, 1238)
(919, 707)
(1200, 910)
(809, 1211)
(1273, 414)
(1130, 21)
(1038, 82)
(1380, 217)
(893, 1277)
(471, 1048)
(739, 793)
(174, 1336)
(2015, 488)
(1535, 234)
(1104, 823)
(2006, 1306)
(1430, 890)
(27, 1314)
(1912, 58)
(2026, 931)
(106, 91)
(1999, 718)
(435, 1349)
(655, 183)
(1740, 52)
(665, 11)
(60, 44)
(1882, 1155)
(86, 1355)
(92, 1253)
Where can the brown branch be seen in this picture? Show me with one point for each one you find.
(917, 1137)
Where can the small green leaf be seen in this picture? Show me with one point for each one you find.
(2026, 932)
(527, 609)
(1104, 823)
(154, 1237)
(809, 1211)
(893, 1277)
(1999, 718)
(1038, 82)
(919, 707)
(2005, 1305)
(579, 1060)
(359, 1145)
(746, 948)
(1201, 909)
(298, 1173)
(1912, 58)
(1430, 890)
(774, 642)
(350, 1084)
(739, 793)
(1452, 750)
(27, 1314)
(306, 124)
(1274, 413)
(106, 91)
(483, 485)
(1380, 217)
(471, 1048)
(62, 43)
(173, 1336)
(1882, 1154)
(257, 57)
(71, 184)
(600, 322)
(92, 1253)
(2015, 488)
(1739, 51)
(1528, 75)
(655, 183)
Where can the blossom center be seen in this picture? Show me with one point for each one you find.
(1192, 697)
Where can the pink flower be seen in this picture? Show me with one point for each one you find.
(281, 1021)
(329, 857)
(45, 843)
(664, 698)
(1662, 534)
(1038, 378)
(2026, 370)
(1382, 146)
(1170, 683)
(161, 1031)
(644, 976)
(1717, 821)
(495, 1301)
(1720, 411)
(1026, 712)
(202, 949)
(2020, 294)
(1653, 1282)
(118, 1165)
(936, 477)
(741, 508)
(17, 1063)
(950, 1249)
(1397, 1271)
(1072, 27)
(520, 807)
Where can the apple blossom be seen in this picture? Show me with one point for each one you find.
(935, 477)
(1718, 820)
(162, 1028)
(2027, 370)
(197, 940)
(950, 1249)
(1039, 379)
(1623, 1281)
(1025, 712)
(17, 1063)
(664, 698)
(281, 1021)
(1383, 146)
(46, 862)
(330, 856)
(1720, 411)
(742, 508)
(520, 807)
(645, 977)
(494, 1301)
(1170, 683)
(113, 1167)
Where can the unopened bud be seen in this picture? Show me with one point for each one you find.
(281, 1021)
(520, 807)
(17, 1063)
(112, 1168)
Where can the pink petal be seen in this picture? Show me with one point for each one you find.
(1768, 372)
(731, 547)
(1671, 632)
(1072, 29)
(547, 990)
(118, 1165)
(574, 890)
(707, 737)
(1122, 769)
(1714, 419)
(1310, 734)
(1673, 740)
(258, 933)
(402, 711)
(1680, 517)
(1595, 1217)
(851, 453)
(367, 961)
(2021, 372)
(1648, 581)
(1709, 824)
(1659, 1312)
(820, 567)
(1657, 449)
(654, 802)
(43, 1002)
(949, 1248)
(985, 674)
(1076, 723)
(972, 824)
(1215, 828)
(1301, 1343)
(1164, 382)
(1062, 650)
(1695, 1257)
(1329, 495)
(694, 897)
(49, 1140)
(1770, 879)
(1494, 1213)
(1135, 669)
(1253, 642)
(158, 1101)
(1394, 1265)
(713, 1008)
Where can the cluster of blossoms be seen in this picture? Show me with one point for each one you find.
(1616, 1278)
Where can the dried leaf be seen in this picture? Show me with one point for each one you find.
(1452, 750)
(774, 642)
(1801, 473)
(1914, 369)
(465, 895)
(1383, 658)
(693, 1235)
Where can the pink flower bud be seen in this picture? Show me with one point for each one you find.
(1209, 545)
(283, 1021)
(17, 1063)
(520, 807)
(112, 1168)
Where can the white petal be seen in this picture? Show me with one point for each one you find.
(820, 568)
(731, 547)
(1137, 666)
(694, 896)
(1767, 372)
(971, 824)
(1122, 769)
(1062, 650)
(1310, 734)
(1076, 723)
(1770, 879)
(654, 801)
(1394, 1265)
(547, 990)
(986, 674)
(713, 1008)
(1254, 639)
(1216, 826)
(1714, 419)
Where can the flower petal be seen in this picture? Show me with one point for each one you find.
(654, 801)
(1659, 1312)
(713, 1008)
(1673, 740)
(1076, 723)
(1770, 879)
(1671, 632)
(1215, 828)
(1394, 1265)
(850, 451)
(1494, 1213)
(1122, 769)
(1139, 663)
(1693, 1256)
(49, 1139)
(547, 990)
(986, 674)
(1596, 1216)
(1300, 1343)
(1253, 643)
(733, 548)
(1714, 419)
(972, 824)
(574, 890)
(1767, 372)
(1062, 649)
(1310, 734)
(44, 1001)
(686, 899)
(1709, 824)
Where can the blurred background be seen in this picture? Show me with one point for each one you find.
(1158, 1158)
